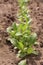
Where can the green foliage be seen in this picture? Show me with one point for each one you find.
(22, 2)
(20, 35)
(22, 38)
(23, 62)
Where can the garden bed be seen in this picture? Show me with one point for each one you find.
(8, 10)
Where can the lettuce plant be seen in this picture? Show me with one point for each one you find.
(20, 35)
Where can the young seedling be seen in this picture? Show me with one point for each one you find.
(20, 35)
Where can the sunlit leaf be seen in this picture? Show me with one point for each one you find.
(18, 34)
(23, 62)
(20, 45)
(30, 50)
(9, 29)
(12, 40)
(35, 52)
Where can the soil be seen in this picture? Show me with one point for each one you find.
(8, 11)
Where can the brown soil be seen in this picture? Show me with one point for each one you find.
(8, 10)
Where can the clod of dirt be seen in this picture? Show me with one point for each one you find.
(41, 63)
(41, 44)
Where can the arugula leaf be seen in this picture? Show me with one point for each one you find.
(9, 29)
(30, 50)
(20, 45)
(18, 34)
(32, 39)
(13, 41)
(23, 62)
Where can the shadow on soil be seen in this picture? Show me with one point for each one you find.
(31, 60)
